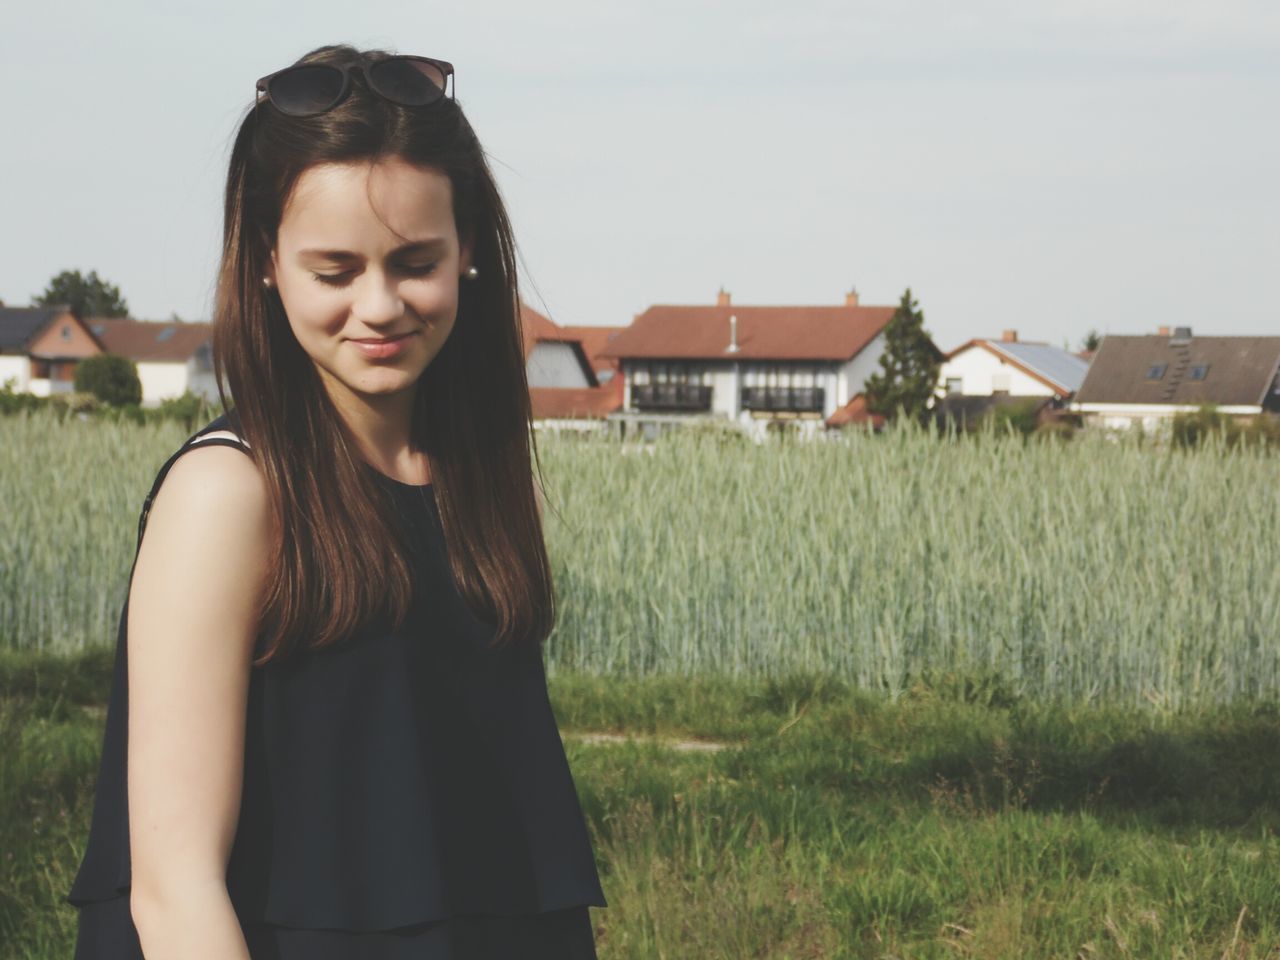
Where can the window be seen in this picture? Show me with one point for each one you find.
(66, 332)
(1156, 371)
(954, 384)
(1199, 371)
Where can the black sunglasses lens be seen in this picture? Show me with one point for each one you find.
(306, 90)
(410, 82)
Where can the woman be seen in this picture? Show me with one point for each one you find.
(329, 733)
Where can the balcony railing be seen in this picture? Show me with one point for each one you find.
(803, 399)
(671, 396)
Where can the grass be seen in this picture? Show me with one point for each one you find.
(838, 823)
(1089, 572)
(983, 697)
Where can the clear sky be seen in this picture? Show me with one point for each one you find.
(1050, 166)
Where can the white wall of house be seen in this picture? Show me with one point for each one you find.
(553, 364)
(18, 369)
(981, 373)
(839, 382)
(851, 377)
(201, 382)
(1150, 417)
(161, 380)
(725, 380)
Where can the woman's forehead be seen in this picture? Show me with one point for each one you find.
(392, 199)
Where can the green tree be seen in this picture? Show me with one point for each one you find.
(1091, 340)
(909, 365)
(111, 378)
(89, 296)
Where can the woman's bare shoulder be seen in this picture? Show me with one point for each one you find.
(210, 515)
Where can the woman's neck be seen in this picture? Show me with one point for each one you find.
(381, 425)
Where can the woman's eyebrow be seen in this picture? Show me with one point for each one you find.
(414, 247)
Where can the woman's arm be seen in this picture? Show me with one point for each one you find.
(193, 617)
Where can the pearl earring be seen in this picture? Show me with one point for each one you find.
(471, 272)
(266, 282)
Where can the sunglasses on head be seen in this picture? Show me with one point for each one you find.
(309, 89)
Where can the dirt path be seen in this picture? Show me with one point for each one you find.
(701, 745)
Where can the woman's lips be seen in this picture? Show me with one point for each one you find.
(383, 347)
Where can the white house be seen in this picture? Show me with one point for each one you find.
(1144, 380)
(1011, 367)
(40, 347)
(981, 374)
(749, 365)
(171, 357)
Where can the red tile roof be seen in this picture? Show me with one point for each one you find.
(142, 340)
(764, 333)
(571, 402)
(576, 402)
(536, 326)
(855, 411)
(594, 340)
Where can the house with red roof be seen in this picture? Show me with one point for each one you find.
(750, 365)
(172, 357)
(40, 347)
(572, 385)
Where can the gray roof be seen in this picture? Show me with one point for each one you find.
(1058, 366)
(20, 325)
(1240, 370)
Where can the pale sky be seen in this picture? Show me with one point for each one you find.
(1049, 167)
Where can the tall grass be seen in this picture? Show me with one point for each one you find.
(1092, 570)
(70, 494)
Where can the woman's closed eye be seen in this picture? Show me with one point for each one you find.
(340, 279)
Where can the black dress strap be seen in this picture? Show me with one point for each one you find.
(211, 434)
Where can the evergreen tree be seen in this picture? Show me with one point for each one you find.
(909, 365)
(89, 296)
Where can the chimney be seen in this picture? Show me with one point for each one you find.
(1162, 331)
(1008, 336)
(851, 298)
(722, 298)
(733, 332)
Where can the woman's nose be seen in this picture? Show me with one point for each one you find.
(378, 298)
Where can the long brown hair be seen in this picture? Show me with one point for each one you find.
(339, 560)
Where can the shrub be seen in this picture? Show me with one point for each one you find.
(75, 402)
(1022, 415)
(110, 377)
(1060, 429)
(12, 401)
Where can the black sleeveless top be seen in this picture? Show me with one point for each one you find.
(406, 793)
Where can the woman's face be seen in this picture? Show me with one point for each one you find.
(371, 309)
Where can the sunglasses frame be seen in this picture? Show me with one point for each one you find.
(263, 86)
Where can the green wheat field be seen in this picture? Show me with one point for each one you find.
(895, 696)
